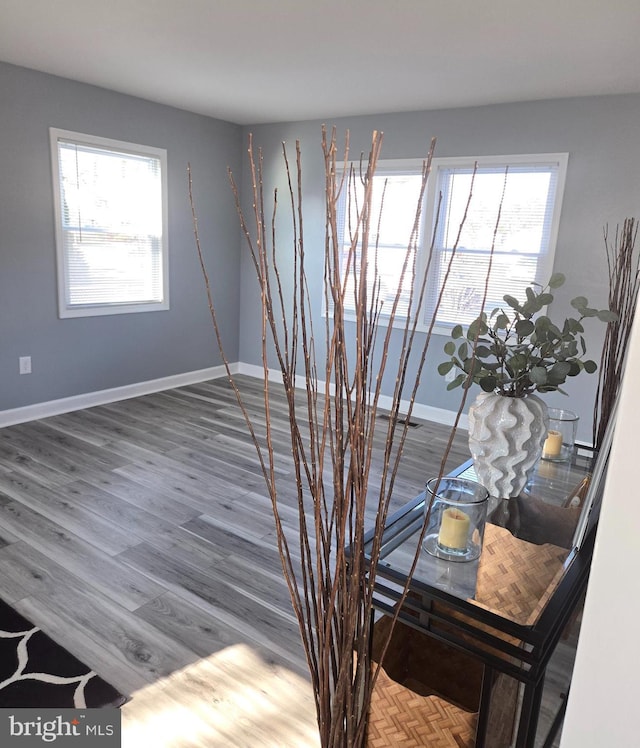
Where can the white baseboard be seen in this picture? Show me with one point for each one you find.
(101, 397)
(426, 412)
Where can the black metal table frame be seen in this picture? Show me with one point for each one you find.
(537, 642)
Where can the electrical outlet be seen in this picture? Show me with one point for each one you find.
(451, 375)
(25, 364)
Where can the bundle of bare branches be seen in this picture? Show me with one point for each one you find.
(624, 279)
(333, 417)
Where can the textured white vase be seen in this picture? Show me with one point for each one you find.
(506, 435)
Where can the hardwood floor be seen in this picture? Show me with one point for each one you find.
(139, 536)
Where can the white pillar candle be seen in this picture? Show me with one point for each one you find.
(552, 445)
(454, 529)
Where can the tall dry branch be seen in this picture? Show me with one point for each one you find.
(333, 416)
(623, 265)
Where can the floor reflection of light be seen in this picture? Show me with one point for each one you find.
(231, 698)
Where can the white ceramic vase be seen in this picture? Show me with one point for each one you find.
(506, 435)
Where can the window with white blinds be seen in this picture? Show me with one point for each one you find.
(523, 237)
(524, 243)
(111, 235)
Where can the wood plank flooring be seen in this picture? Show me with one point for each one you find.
(139, 535)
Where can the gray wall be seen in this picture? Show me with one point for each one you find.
(75, 356)
(600, 135)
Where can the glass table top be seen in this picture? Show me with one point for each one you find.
(529, 543)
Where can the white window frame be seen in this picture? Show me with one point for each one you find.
(66, 309)
(546, 260)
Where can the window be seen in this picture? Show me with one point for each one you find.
(524, 244)
(111, 225)
(397, 187)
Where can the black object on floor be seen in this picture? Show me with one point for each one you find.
(37, 672)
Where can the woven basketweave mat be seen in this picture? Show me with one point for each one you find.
(440, 688)
(400, 717)
(516, 578)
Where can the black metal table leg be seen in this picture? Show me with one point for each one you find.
(485, 704)
(557, 722)
(528, 723)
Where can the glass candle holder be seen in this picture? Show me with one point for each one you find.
(456, 523)
(561, 436)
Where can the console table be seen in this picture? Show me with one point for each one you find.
(509, 607)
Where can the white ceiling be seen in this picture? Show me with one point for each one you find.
(253, 61)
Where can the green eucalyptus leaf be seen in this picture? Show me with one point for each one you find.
(556, 280)
(570, 350)
(457, 332)
(449, 347)
(502, 322)
(477, 328)
(517, 362)
(538, 304)
(606, 315)
(559, 372)
(456, 382)
(472, 367)
(590, 366)
(488, 384)
(463, 350)
(572, 326)
(545, 299)
(538, 375)
(576, 367)
(483, 351)
(542, 322)
(524, 327)
(444, 368)
(512, 302)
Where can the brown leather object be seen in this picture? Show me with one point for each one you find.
(536, 521)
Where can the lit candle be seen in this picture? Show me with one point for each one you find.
(552, 444)
(454, 529)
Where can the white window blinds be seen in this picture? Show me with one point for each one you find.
(524, 240)
(394, 201)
